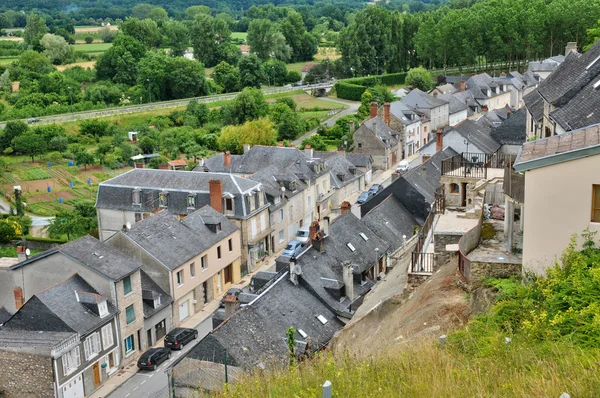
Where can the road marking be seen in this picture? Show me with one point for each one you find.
(142, 382)
(151, 375)
(141, 374)
(128, 394)
(136, 388)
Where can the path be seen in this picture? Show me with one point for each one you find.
(352, 108)
(36, 221)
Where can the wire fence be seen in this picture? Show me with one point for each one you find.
(162, 393)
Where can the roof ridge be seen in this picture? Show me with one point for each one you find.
(58, 283)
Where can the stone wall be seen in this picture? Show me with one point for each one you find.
(483, 270)
(441, 241)
(25, 375)
(414, 280)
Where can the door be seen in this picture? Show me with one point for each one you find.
(184, 310)
(463, 194)
(149, 337)
(74, 388)
(160, 329)
(96, 370)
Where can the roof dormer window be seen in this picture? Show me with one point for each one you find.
(191, 201)
(136, 197)
(102, 309)
(293, 185)
(163, 199)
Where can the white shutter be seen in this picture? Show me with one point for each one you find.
(253, 225)
(107, 336)
(262, 222)
(77, 357)
(86, 349)
(97, 343)
(65, 360)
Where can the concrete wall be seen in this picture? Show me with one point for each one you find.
(112, 221)
(442, 256)
(26, 375)
(439, 116)
(457, 117)
(558, 202)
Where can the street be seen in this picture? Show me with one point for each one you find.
(145, 382)
(352, 108)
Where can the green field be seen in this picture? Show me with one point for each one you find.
(5, 61)
(92, 48)
(239, 35)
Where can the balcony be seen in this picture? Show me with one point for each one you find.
(476, 165)
(324, 196)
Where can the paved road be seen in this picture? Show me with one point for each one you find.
(352, 108)
(146, 382)
(36, 221)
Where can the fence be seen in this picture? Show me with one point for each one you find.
(474, 164)
(423, 262)
(514, 184)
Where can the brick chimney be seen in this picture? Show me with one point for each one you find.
(348, 278)
(508, 113)
(308, 151)
(18, 293)
(463, 86)
(312, 231)
(231, 303)
(373, 110)
(439, 140)
(226, 159)
(21, 253)
(138, 165)
(215, 188)
(386, 113)
(351, 126)
(345, 206)
(484, 108)
(503, 74)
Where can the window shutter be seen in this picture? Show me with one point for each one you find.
(77, 357)
(262, 222)
(65, 359)
(253, 224)
(86, 348)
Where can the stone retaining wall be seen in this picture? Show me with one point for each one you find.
(25, 375)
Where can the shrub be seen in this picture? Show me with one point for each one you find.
(89, 40)
(349, 91)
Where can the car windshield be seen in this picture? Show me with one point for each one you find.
(302, 233)
(290, 247)
(364, 195)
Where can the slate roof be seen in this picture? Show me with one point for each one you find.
(173, 241)
(420, 100)
(149, 286)
(97, 255)
(478, 135)
(340, 166)
(383, 132)
(446, 89)
(541, 66)
(57, 309)
(403, 113)
(455, 104)
(360, 159)
(42, 342)
(479, 84)
(4, 315)
(535, 105)
(583, 110)
(559, 148)
(255, 335)
(426, 178)
(512, 131)
(390, 220)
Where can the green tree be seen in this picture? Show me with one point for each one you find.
(7, 232)
(191, 12)
(33, 61)
(147, 145)
(29, 143)
(85, 158)
(251, 71)
(176, 37)
(260, 37)
(365, 104)
(158, 15)
(250, 104)
(69, 223)
(119, 62)
(59, 143)
(36, 27)
(95, 127)
(208, 34)
(56, 48)
(88, 39)
(419, 78)
(107, 35)
(289, 101)
(256, 132)
(186, 79)
(145, 31)
(316, 142)
(198, 110)
(13, 129)
(276, 72)
(141, 11)
(227, 76)
(302, 43)
(291, 126)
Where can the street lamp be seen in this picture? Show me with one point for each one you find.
(467, 144)
(149, 95)
(376, 262)
(71, 95)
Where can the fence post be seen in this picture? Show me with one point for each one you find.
(327, 390)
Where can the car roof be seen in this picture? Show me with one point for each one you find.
(293, 242)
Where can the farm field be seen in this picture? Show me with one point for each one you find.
(93, 29)
(239, 35)
(92, 48)
(327, 52)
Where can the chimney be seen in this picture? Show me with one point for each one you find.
(226, 159)
(308, 151)
(508, 113)
(439, 140)
(424, 171)
(231, 302)
(201, 161)
(295, 270)
(484, 108)
(325, 223)
(373, 110)
(571, 47)
(352, 127)
(503, 74)
(215, 188)
(348, 278)
(246, 148)
(138, 165)
(345, 207)
(312, 231)
(21, 253)
(463, 86)
(18, 293)
(386, 113)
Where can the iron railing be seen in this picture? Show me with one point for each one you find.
(474, 165)
(422, 262)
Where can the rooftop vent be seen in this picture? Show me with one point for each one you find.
(351, 246)
(98, 255)
(302, 333)
(362, 235)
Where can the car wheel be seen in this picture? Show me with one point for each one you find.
(153, 367)
(195, 335)
(169, 356)
(180, 347)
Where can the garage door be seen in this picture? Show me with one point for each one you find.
(184, 310)
(74, 388)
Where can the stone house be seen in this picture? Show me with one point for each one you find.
(194, 258)
(435, 109)
(346, 178)
(111, 273)
(511, 133)
(72, 331)
(363, 163)
(376, 137)
(141, 193)
(410, 123)
(562, 193)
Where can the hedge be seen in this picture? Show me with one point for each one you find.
(38, 239)
(349, 91)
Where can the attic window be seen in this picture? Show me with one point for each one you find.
(136, 197)
(191, 201)
(102, 309)
(163, 199)
(157, 301)
(362, 235)
(302, 333)
(98, 255)
(351, 246)
(293, 185)
(322, 319)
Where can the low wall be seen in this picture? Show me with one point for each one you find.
(466, 244)
(441, 241)
(483, 270)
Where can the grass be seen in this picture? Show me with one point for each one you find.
(12, 251)
(92, 48)
(327, 52)
(5, 61)
(239, 35)
(296, 66)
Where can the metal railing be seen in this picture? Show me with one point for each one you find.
(474, 164)
(422, 262)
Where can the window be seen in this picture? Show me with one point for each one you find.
(192, 270)
(162, 199)
(102, 309)
(229, 205)
(309, 201)
(360, 145)
(280, 216)
(228, 274)
(107, 336)
(204, 263)
(71, 361)
(129, 344)
(179, 278)
(251, 202)
(92, 346)
(281, 236)
(262, 222)
(218, 252)
(130, 314)
(324, 187)
(293, 185)
(136, 197)
(596, 203)
(157, 301)
(230, 243)
(253, 226)
(454, 188)
(127, 285)
(191, 201)
(291, 213)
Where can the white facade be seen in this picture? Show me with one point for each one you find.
(457, 117)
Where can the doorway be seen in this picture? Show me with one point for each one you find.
(160, 329)
(96, 370)
(149, 337)
(463, 194)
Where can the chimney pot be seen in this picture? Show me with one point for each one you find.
(246, 148)
(463, 86)
(374, 107)
(230, 305)
(19, 300)
(216, 195)
(439, 140)
(227, 159)
(312, 231)
(345, 206)
(348, 278)
(352, 127)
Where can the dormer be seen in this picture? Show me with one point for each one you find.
(341, 176)
(136, 197)
(214, 226)
(229, 207)
(163, 199)
(504, 87)
(352, 170)
(497, 89)
(291, 185)
(152, 298)
(489, 92)
(94, 302)
(191, 200)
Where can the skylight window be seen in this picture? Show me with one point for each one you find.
(362, 235)
(302, 333)
(351, 246)
(593, 62)
(322, 319)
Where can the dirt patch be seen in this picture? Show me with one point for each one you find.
(11, 38)
(84, 65)
(44, 197)
(66, 195)
(435, 307)
(31, 186)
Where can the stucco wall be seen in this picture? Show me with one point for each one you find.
(457, 117)
(112, 221)
(25, 375)
(558, 202)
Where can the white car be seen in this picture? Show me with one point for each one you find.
(403, 166)
(302, 235)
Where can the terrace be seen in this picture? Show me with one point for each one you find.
(476, 165)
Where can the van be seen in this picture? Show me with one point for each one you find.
(302, 235)
(403, 166)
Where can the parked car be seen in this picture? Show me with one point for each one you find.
(234, 291)
(33, 120)
(376, 188)
(363, 197)
(302, 235)
(402, 166)
(178, 337)
(292, 248)
(153, 357)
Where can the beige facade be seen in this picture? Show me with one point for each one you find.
(558, 203)
(134, 328)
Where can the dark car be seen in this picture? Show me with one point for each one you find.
(33, 120)
(153, 357)
(376, 188)
(234, 291)
(363, 197)
(179, 337)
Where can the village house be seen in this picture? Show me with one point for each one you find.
(68, 334)
(511, 133)
(141, 193)
(434, 109)
(111, 273)
(562, 193)
(363, 163)
(545, 67)
(378, 139)
(568, 99)
(346, 178)
(409, 122)
(194, 258)
(490, 93)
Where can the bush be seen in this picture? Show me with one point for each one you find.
(89, 40)
(349, 91)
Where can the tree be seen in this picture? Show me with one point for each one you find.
(88, 39)
(276, 72)
(186, 79)
(176, 37)
(289, 101)
(119, 62)
(95, 127)
(69, 223)
(33, 61)
(147, 145)
(192, 11)
(419, 78)
(303, 44)
(198, 110)
(107, 35)
(291, 126)
(29, 143)
(227, 76)
(7, 232)
(141, 11)
(36, 27)
(250, 104)
(280, 50)
(208, 35)
(365, 104)
(145, 31)
(260, 37)
(158, 15)
(256, 132)
(59, 144)
(13, 129)
(85, 158)
(56, 48)
(381, 94)
(316, 142)
(251, 71)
